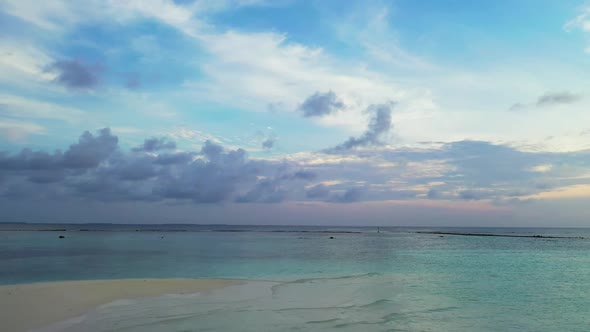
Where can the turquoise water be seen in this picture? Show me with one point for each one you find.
(367, 281)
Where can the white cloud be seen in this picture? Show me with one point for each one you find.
(20, 107)
(44, 14)
(125, 130)
(58, 15)
(17, 131)
(368, 27)
(247, 69)
(260, 70)
(22, 65)
(253, 70)
(580, 22)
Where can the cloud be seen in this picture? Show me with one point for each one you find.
(154, 144)
(323, 192)
(582, 21)
(134, 169)
(174, 158)
(90, 150)
(267, 191)
(273, 72)
(30, 160)
(75, 74)
(433, 194)
(17, 131)
(464, 170)
(379, 124)
(302, 175)
(268, 143)
(557, 98)
(28, 108)
(275, 189)
(317, 191)
(320, 104)
(472, 195)
(215, 177)
(95, 168)
(550, 99)
(349, 196)
(88, 153)
(369, 29)
(257, 68)
(517, 107)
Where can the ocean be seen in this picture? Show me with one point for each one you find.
(318, 278)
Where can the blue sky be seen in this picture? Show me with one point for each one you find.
(301, 108)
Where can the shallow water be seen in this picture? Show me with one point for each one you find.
(392, 280)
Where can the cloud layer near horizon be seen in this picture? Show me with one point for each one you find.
(96, 168)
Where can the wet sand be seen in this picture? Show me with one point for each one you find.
(29, 306)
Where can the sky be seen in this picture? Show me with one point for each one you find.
(400, 112)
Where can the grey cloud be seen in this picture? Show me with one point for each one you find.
(268, 143)
(465, 170)
(349, 196)
(473, 195)
(517, 107)
(557, 98)
(75, 74)
(277, 188)
(175, 158)
(96, 169)
(267, 191)
(30, 160)
(433, 193)
(395, 194)
(155, 144)
(90, 151)
(379, 124)
(223, 175)
(135, 170)
(300, 175)
(304, 175)
(47, 176)
(213, 151)
(483, 163)
(213, 178)
(317, 191)
(549, 99)
(320, 104)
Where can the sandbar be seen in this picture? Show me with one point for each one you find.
(28, 306)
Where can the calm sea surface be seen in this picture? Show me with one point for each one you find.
(360, 280)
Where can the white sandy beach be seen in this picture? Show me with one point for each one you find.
(29, 306)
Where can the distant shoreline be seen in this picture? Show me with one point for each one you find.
(502, 235)
(181, 231)
(513, 232)
(383, 227)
